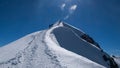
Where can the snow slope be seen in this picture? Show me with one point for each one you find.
(60, 46)
(117, 60)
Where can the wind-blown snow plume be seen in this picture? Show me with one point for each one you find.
(70, 9)
(63, 6)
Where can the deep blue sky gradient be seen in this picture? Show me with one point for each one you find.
(98, 18)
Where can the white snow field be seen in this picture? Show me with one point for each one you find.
(60, 46)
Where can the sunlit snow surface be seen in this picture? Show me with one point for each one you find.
(45, 49)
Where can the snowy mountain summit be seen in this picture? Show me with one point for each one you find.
(60, 46)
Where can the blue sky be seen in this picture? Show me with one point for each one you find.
(98, 18)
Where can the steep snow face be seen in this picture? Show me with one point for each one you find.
(48, 49)
(65, 34)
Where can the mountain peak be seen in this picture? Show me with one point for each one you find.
(58, 23)
(60, 46)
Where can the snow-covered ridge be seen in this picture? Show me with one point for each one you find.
(60, 46)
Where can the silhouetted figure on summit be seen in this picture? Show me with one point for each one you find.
(50, 25)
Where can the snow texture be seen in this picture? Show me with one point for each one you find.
(57, 47)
